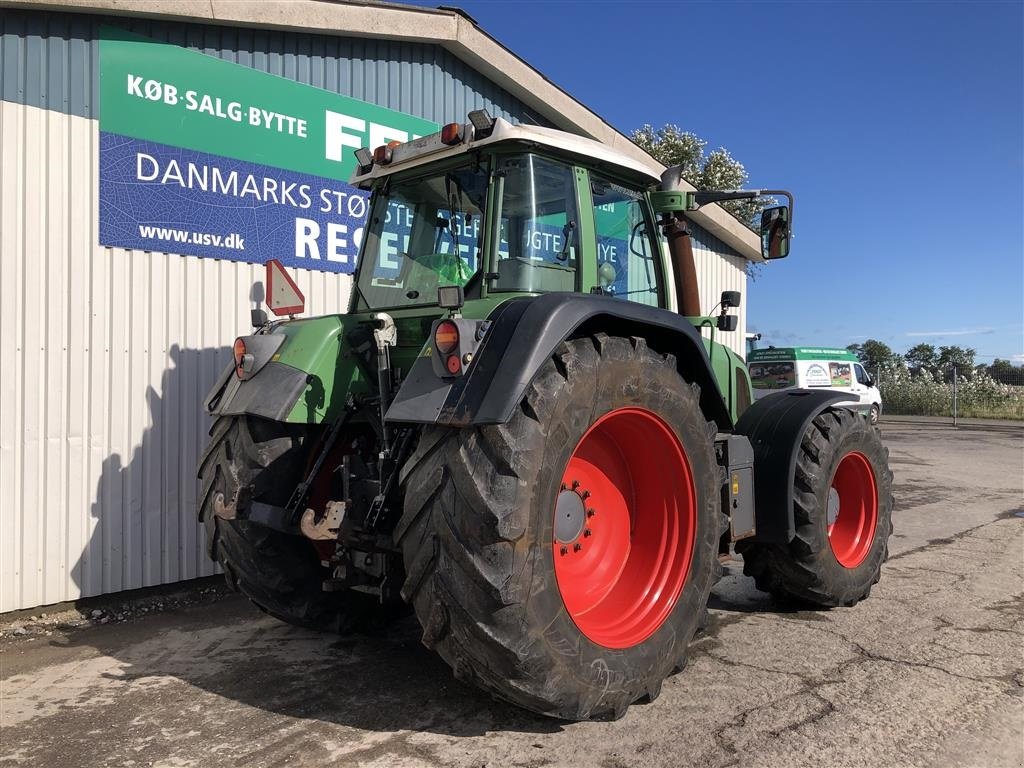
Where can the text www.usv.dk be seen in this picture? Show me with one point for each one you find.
(233, 241)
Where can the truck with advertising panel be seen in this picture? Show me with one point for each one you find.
(779, 368)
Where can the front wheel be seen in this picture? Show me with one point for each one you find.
(563, 561)
(842, 507)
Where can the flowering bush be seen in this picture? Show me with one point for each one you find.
(927, 394)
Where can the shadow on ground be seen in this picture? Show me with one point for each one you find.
(385, 682)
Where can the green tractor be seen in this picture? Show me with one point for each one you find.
(520, 429)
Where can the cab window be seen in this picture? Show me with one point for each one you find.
(862, 375)
(539, 240)
(424, 234)
(627, 267)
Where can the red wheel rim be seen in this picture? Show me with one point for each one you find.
(852, 510)
(625, 522)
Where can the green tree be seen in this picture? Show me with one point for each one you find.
(921, 357)
(962, 358)
(670, 145)
(1005, 372)
(874, 354)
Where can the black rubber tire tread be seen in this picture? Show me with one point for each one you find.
(476, 537)
(805, 570)
(280, 573)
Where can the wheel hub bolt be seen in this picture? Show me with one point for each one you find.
(591, 513)
(564, 550)
(575, 484)
(587, 532)
(585, 495)
(577, 547)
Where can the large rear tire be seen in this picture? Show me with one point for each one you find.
(563, 561)
(842, 505)
(250, 458)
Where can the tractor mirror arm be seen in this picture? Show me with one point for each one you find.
(675, 200)
(711, 196)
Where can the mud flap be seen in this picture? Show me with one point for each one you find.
(775, 425)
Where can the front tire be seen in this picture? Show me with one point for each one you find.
(842, 506)
(563, 561)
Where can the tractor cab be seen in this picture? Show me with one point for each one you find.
(500, 210)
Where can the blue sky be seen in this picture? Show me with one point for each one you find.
(898, 126)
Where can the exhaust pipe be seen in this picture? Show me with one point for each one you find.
(684, 266)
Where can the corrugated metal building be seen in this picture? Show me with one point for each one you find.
(106, 352)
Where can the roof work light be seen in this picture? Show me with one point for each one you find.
(483, 123)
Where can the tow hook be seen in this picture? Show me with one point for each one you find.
(326, 529)
(225, 511)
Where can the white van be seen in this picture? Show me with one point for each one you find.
(778, 368)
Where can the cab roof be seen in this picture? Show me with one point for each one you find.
(549, 140)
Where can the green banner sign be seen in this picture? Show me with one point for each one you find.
(800, 353)
(163, 93)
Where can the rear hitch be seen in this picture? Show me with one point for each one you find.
(327, 527)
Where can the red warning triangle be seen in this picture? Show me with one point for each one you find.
(283, 295)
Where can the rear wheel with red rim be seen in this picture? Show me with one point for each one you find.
(563, 561)
(625, 519)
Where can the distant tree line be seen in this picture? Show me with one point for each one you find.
(937, 363)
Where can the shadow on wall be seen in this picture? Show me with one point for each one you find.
(145, 530)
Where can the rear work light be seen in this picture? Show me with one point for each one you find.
(364, 157)
(446, 339)
(451, 134)
(483, 123)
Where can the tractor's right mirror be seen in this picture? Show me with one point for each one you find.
(775, 232)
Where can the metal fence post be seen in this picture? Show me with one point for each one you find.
(954, 395)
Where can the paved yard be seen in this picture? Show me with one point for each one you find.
(927, 672)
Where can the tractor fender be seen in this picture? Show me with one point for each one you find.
(523, 335)
(775, 426)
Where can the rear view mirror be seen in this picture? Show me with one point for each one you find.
(730, 299)
(775, 232)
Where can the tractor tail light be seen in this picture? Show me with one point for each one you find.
(239, 352)
(453, 364)
(446, 339)
(244, 361)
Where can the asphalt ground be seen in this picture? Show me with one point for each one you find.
(926, 672)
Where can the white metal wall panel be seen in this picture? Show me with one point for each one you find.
(719, 269)
(52, 60)
(105, 357)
